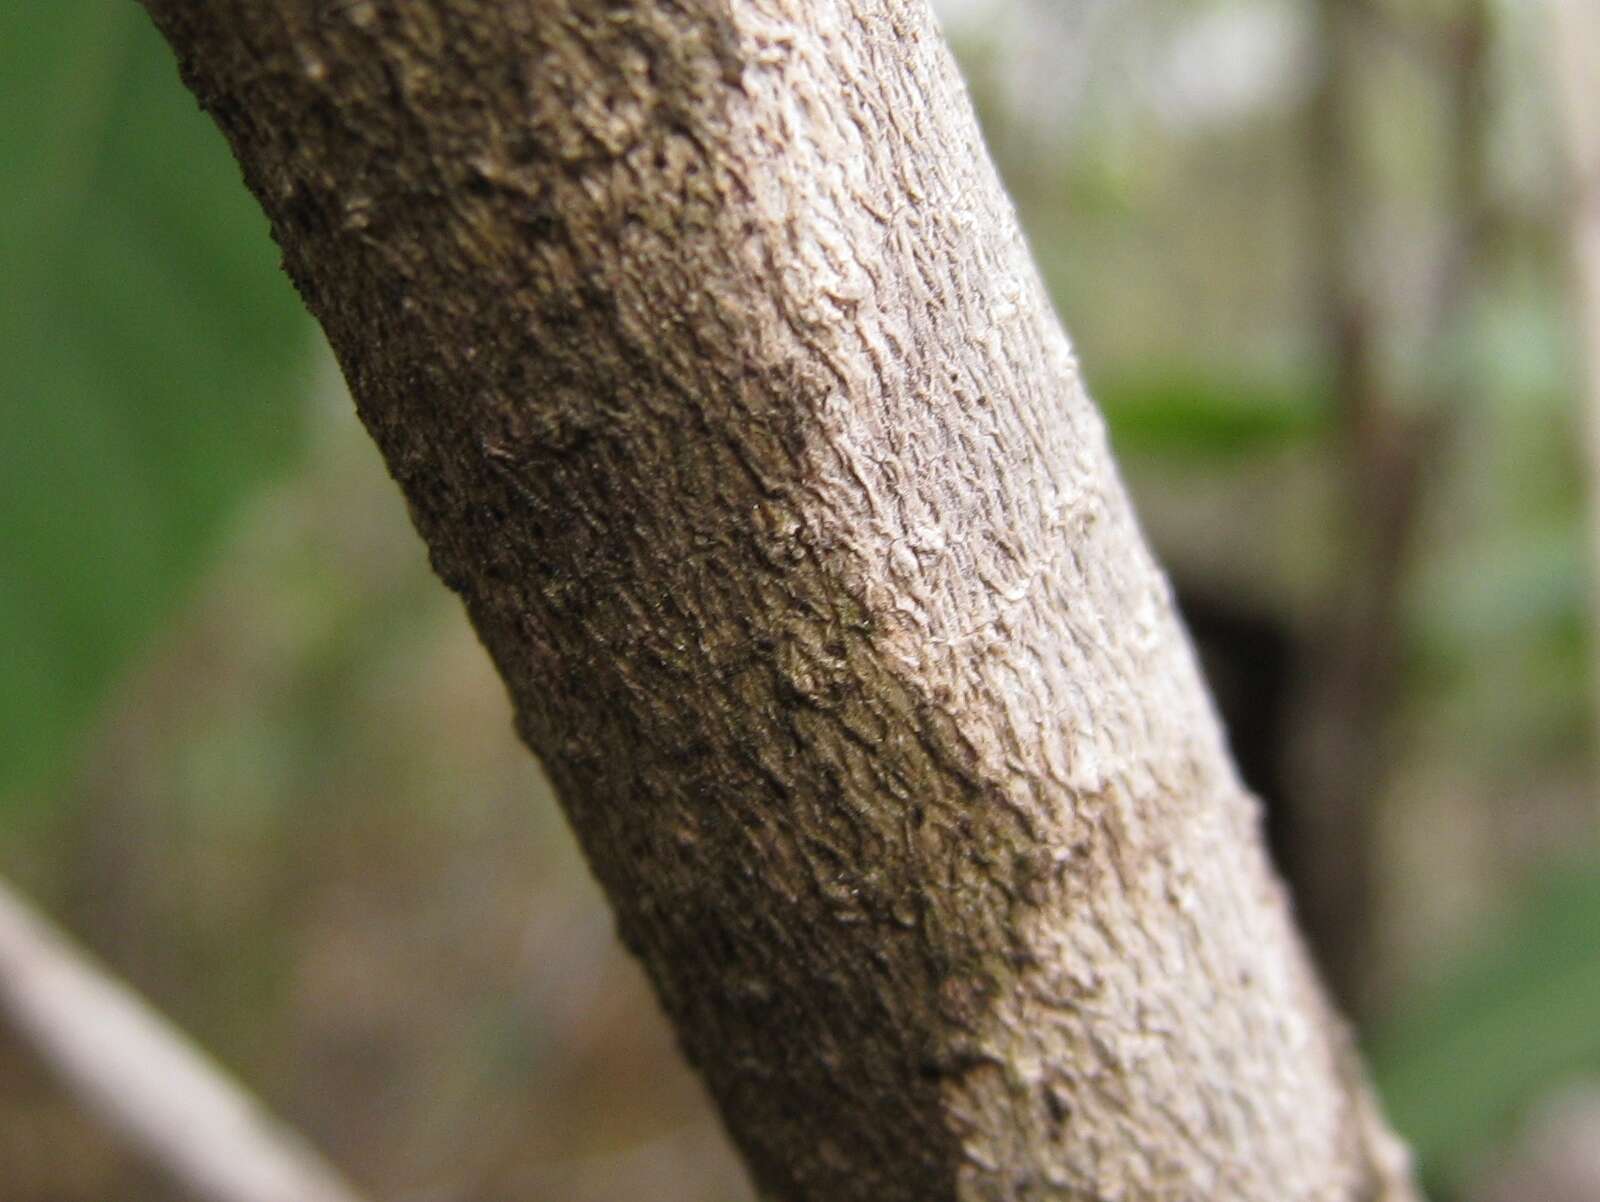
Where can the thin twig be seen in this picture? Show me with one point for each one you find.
(145, 1079)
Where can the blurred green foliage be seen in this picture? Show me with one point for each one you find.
(149, 345)
(1514, 1016)
(1199, 414)
(1501, 609)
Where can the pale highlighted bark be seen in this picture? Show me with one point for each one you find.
(704, 345)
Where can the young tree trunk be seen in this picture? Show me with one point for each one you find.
(704, 345)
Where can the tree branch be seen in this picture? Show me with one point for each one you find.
(706, 349)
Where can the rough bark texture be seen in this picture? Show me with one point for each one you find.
(704, 345)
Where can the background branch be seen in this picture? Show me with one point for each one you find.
(145, 1078)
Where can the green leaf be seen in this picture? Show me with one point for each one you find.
(1199, 413)
(150, 355)
(1516, 1017)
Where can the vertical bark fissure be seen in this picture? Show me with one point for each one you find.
(704, 345)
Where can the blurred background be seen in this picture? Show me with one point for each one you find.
(1333, 270)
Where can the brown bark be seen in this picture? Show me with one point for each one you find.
(703, 343)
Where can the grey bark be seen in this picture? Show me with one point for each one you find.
(704, 345)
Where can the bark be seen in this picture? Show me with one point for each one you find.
(702, 341)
